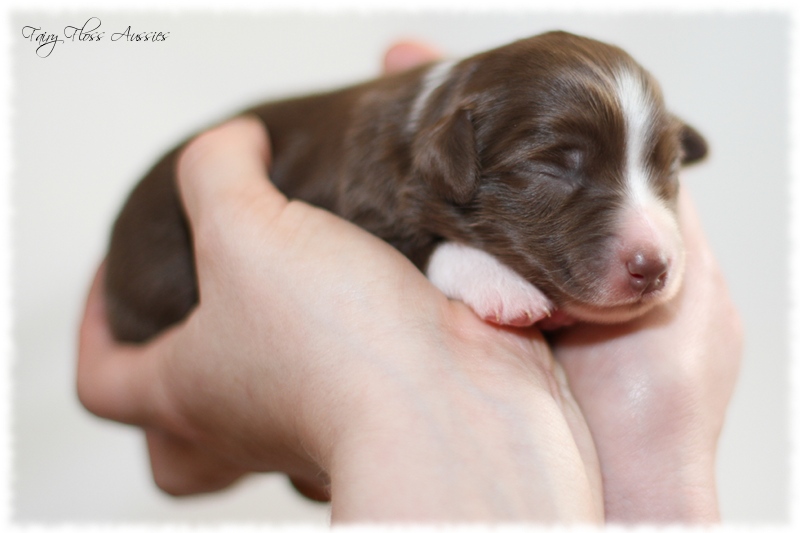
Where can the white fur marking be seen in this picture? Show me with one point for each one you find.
(494, 291)
(433, 80)
(637, 108)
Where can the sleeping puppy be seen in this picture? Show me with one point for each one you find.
(535, 180)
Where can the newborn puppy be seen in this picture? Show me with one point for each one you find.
(537, 178)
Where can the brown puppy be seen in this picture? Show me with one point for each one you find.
(536, 177)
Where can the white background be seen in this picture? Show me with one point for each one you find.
(90, 119)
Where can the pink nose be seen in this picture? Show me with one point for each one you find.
(648, 272)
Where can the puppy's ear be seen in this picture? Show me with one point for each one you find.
(694, 147)
(446, 157)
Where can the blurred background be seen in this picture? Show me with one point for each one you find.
(92, 117)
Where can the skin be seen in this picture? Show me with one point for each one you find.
(321, 352)
(654, 392)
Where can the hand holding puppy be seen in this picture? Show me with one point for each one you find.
(317, 347)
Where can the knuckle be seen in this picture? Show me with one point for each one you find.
(168, 484)
(90, 395)
(195, 156)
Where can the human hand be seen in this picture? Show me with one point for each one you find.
(319, 351)
(654, 392)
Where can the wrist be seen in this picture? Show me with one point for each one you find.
(666, 491)
(666, 476)
(472, 432)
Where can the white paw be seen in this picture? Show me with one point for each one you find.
(494, 291)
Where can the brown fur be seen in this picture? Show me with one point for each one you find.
(518, 152)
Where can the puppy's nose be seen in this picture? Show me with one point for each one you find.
(648, 272)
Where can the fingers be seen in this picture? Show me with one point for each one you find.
(181, 468)
(311, 489)
(114, 381)
(224, 166)
(408, 54)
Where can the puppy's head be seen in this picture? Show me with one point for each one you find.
(557, 155)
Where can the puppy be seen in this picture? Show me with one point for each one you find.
(535, 180)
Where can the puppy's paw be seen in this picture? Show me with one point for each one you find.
(494, 291)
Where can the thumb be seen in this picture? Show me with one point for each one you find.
(222, 166)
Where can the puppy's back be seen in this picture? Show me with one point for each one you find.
(150, 279)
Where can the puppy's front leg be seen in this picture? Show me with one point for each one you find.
(494, 291)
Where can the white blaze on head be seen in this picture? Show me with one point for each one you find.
(638, 110)
(647, 227)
